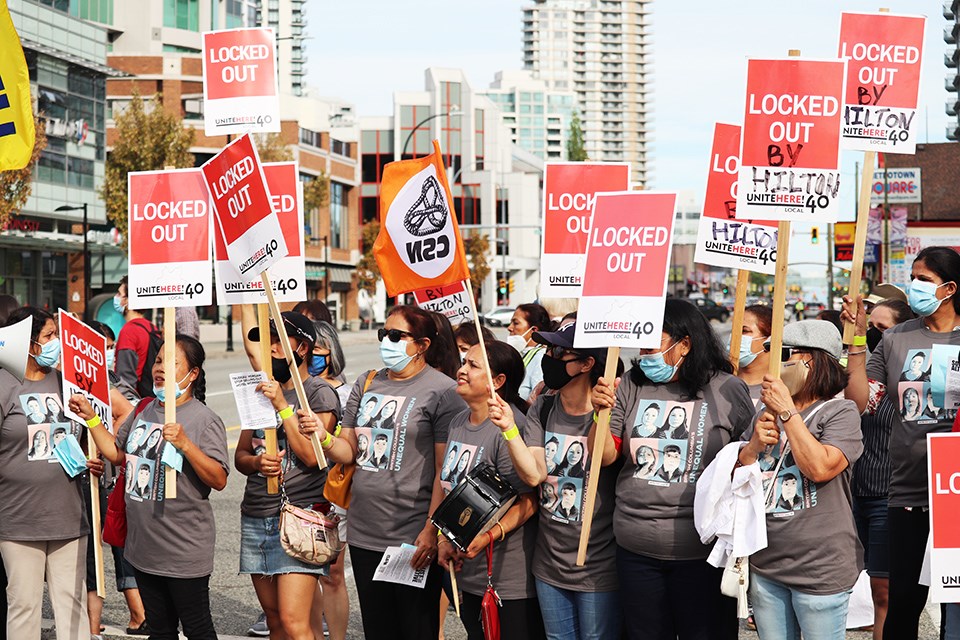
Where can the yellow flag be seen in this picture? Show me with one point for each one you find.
(16, 108)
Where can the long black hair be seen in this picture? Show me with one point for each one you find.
(506, 360)
(38, 317)
(945, 262)
(195, 355)
(706, 357)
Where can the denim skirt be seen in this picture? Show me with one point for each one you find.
(261, 552)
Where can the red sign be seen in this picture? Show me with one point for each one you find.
(244, 208)
(720, 200)
(84, 367)
(883, 53)
(944, 466)
(450, 300)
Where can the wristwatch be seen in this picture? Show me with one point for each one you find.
(786, 415)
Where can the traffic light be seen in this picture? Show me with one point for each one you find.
(503, 286)
(511, 285)
(814, 235)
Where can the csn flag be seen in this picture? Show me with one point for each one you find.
(419, 244)
(16, 109)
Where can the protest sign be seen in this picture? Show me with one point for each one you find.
(84, 368)
(419, 244)
(450, 301)
(287, 275)
(896, 186)
(790, 148)
(722, 240)
(17, 133)
(255, 409)
(569, 189)
(625, 279)
(241, 92)
(943, 469)
(884, 53)
(168, 217)
(14, 347)
(250, 228)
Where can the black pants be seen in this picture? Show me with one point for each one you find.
(908, 532)
(169, 601)
(519, 619)
(392, 611)
(680, 599)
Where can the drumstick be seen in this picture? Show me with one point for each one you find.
(453, 584)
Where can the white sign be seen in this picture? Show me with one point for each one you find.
(902, 186)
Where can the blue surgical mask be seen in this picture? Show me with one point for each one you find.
(161, 393)
(746, 356)
(655, 368)
(119, 308)
(317, 365)
(49, 354)
(111, 356)
(394, 354)
(922, 297)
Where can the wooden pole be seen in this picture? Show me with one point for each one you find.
(483, 345)
(294, 369)
(736, 332)
(95, 525)
(455, 590)
(860, 239)
(269, 435)
(169, 390)
(596, 458)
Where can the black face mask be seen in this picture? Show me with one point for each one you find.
(873, 338)
(281, 370)
(555, 374)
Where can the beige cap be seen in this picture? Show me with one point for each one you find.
(885, 291)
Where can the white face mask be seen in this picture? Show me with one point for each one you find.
(519, 341)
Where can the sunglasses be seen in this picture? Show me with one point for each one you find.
(785, 352)
(395, 335)
(558, 352)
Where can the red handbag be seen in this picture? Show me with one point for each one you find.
(490, 605)
(115, 522)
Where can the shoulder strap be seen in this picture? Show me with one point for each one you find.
(786, 450)
(141, 406)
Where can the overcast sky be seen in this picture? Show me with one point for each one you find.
(363, 51)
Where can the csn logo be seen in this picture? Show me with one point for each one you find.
(423, 232)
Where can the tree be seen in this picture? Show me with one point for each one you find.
(476, 246)
(148, 138)
(16, 186)
(576, 150)
(315, 192)
(368, 271)
(272, 148)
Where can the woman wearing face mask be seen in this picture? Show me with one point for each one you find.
(492, 428)
(171, 543)
(526, 321)
(427, 401)
(935, 275)
(285, 586)
(576, 602)
(754, 360)
(801, 582)
(659, 552)
(43, 531)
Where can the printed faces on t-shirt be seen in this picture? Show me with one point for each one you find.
(381, 431)
(929, 387)
(662, 444)
(792, 491)
(143, 472)
(561, 494)
(47, 426)
(458, 460)
(288, 456)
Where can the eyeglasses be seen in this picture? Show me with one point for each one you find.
(785, 352)
(395, 335)
(557, 353)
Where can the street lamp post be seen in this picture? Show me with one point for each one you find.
(452, 113)
(86, 252)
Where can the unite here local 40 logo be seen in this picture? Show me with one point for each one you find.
(423, 235)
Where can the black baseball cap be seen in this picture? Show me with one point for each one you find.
(564, 338)
(297, 325)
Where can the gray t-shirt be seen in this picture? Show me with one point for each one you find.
(173, 538)
(468, 446)
(674, 439)
(41, 502)
(397, 424)
(562, 499)
(919, 368)
(303, 484)
(813, 545)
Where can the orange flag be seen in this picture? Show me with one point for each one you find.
(419, 244)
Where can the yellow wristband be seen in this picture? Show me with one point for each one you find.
(596, 417)
(511, 433)
(336, 431)
(859, 341)
(327, 442)
(93, 422)
(286, 412)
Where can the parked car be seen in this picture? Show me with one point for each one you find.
(498, 317)
(812, 309)
(711, 310)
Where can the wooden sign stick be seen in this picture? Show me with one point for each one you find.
(736, 333)
(169, 390)
(269, 435)
(483, 345)
(596, 458)
(97, 529)
(860, 239)
(454, 589)
(294, 369)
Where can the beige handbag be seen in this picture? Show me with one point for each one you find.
(307, 535)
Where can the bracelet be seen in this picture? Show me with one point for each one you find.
(859, 341)
(511, 433)
(286, 412)
(441, 539)
(93, 422)
(857, 353)
(327, 442)
(503, 534)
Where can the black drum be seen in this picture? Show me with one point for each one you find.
(473, 506)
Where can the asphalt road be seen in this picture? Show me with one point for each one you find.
(234, 603)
